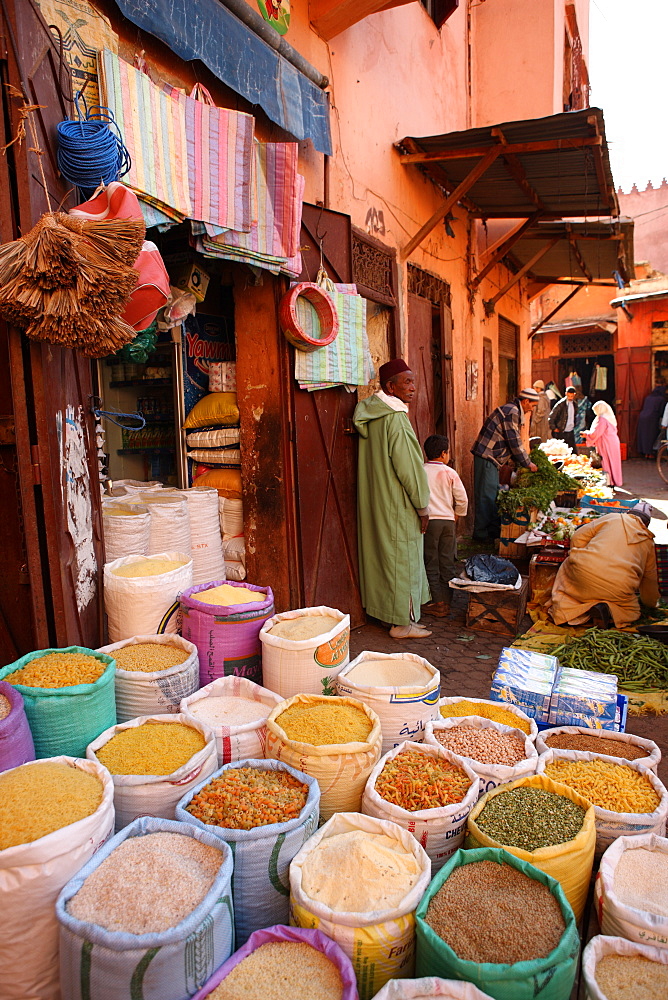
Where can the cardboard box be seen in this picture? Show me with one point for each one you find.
(191, 277)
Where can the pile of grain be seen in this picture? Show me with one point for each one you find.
(226, 595)
(148, 566)
(151, 748)
(229, 711)
(149, 656)
(389, 673)
(5, 707)
(490, 912)
(641, 880)
(632, 977)
(280, 970)
(37, 799)
(595, 744)
(487, 746)
(147, 884)
(56, 670)
(246, 797)
(494, 712)
(304, 627)
(327, 722)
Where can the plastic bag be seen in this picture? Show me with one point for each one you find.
(485, 568)
(140, 348)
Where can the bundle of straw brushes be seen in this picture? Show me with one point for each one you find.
(68, 280)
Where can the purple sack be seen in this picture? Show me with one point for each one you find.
(283, 933)
(227, 637)
(16, 744)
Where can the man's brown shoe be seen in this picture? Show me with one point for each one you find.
(437, 608)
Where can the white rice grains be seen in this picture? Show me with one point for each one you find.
(229, 711)
(280, 970)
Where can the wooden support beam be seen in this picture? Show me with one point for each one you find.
(532, 333)
(475, 174)
(578, 256)
(600, 167)
(504, 247)
(547, 280)
(518, 173)
(545, 146)
(490, 303)
(331, 17)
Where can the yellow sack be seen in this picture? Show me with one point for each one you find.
(570, 863)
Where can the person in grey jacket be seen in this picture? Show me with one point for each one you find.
(563, 416)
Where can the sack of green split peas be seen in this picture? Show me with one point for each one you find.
(153, 761)
(427, 791)
(546, 824)
(500, 923)
(149, 916)
(369, 907)
(336, 740)
(266, 811)
(617, 969)
(284, 963)
(627, 797)
(54, 815)
(68, 695)
(632, 890)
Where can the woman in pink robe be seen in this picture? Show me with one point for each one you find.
(603, 436)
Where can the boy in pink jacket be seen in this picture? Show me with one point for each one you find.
(447, 502)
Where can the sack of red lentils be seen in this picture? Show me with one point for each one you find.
(293, 963)
(266, 811)
(621, 746)
(403, 785)
(149, 916)
(613, 966)
(503, 753)
(16, 744)
(631, 898)
(428, 987)
(500, 923)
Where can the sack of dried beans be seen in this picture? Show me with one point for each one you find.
(266, 811)
(495, 920)
(632, 890)
(427, 791)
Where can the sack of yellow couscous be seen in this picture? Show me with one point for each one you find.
(141, 593)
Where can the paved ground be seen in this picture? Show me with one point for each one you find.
(468, 658)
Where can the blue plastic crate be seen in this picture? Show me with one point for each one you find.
(617, 727)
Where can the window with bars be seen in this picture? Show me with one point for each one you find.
(594, 342)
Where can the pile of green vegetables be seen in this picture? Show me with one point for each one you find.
(640, 663)
(535, 489)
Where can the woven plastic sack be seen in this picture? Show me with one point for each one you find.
(599, 947)
(490, 775)
(440, 831)
(64, 720)
(206, 539)
(235, 742)
(428, 987)
(569, 863)
(512, 709)
(618, 918)
(653, 752)
(170, 521)
(227, 636)
(549, 978)
(31, 876)
(610, 825)
(153, 692)
(124, 487)
(342, 769)
(305, 666)
(280, 933)
(262, 856)
(125, 534)
(137, 795)
(231, 513)
(380, 943)
(99, 964)
(404, 711)
(145, 605)
(16, 743)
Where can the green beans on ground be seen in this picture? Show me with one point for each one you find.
(531, 818)
(640, 663)
(490, 912)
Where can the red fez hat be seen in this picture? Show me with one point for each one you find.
(392, 368)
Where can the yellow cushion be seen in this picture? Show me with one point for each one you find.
(214, 409)
(226, 481)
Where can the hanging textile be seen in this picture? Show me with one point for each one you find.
(601, 378)
(153, 127)
(84, 32)
(347, 360)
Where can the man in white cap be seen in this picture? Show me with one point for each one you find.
(498, 441)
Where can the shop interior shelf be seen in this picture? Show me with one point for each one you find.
(143, 451)
(129, 383)
(158, 420)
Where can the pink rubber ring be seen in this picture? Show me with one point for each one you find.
(325, 310)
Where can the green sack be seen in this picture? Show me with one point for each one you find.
(548, 978)
(65, 720)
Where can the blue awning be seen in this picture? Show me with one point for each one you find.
(204, 29)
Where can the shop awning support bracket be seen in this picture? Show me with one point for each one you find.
(546, 319)
(490, 304)
(502, 249)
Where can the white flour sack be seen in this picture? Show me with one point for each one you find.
(124, 487)
(489, 775)
(126, 528)
(440, 830)
(170, 520)
(145, 603)
(304, 650)
(632, 890)
(359, 880)
(428, 987)
(402, 689)
(601, 947)
(151, 692)
(625, 744)
(447, 709)
(236, 710)
(206, 539)
(137, 795)
(31, 876)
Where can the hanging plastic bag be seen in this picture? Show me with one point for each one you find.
(484, 568)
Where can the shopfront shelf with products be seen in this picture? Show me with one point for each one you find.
(158, 383)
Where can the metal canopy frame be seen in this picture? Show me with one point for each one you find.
(542, 168)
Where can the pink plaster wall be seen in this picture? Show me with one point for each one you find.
(649, 210)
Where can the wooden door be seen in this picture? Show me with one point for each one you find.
(448, 418)
(633, 381)
(543, 368)
(487, 375)
(419, 357)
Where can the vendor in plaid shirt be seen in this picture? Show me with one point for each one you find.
(498, 441)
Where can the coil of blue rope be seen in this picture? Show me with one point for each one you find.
(91, 150)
